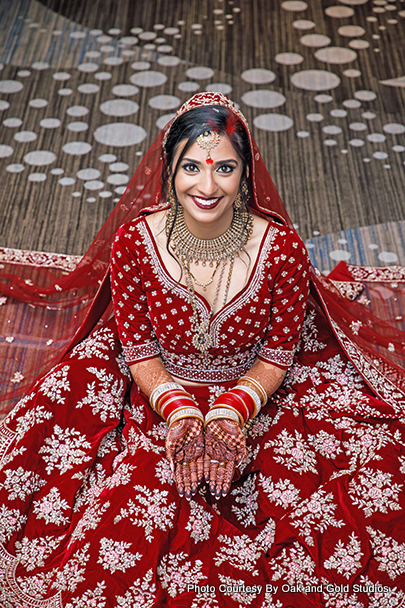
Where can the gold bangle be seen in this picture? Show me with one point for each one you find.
(222, 412)
(184, 412)
(258, 386)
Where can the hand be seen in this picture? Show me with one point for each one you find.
(225, 448)
(184, 451)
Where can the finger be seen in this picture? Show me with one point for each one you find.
(185, 466)
(228, 476)
(200, 469)
(178, 475)
(213, 476)
(207, 462)
(193, 477)
(219, 480)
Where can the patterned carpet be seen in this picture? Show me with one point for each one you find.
(86, 86)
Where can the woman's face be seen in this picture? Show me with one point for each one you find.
(207, 191)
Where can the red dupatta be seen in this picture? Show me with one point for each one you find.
(45, 311)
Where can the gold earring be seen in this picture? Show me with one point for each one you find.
(238, 202)
(171, 196)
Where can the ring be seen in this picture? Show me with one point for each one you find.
(222, 464)
(216, 461)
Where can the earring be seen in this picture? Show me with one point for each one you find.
(239, 201)
(171, 196)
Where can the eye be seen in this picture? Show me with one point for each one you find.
(226, 168)
(190, 167)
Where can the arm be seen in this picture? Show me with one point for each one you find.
(185, 440)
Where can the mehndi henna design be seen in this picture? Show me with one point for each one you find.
(225, 448)
(184, 450)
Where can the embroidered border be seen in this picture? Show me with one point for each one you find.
(139, 352)
(277, 356)
(377, 274)
(349, 289)
(10, 590)
(188, 370)
(6, 438)
(39, 258)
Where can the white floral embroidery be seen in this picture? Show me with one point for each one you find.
(382, 596)
(105, 397)
(141, 594)
(324, 443)
(239, 551)
(139, 441)
(37, 586)
(50, 508)
(113, 555)
(98, 344)
(294, 453)
(270, 602)
(402, 463)
(388, 552)
(11, 520)
(32, 417)
(206, 600)
(374, 491)
(159, 431)
(33, 553)
(298, 374)
(334, 597)
(175, 573)
(309, 335)
(347, 558)
(283, 493)
(89, 521)
(315, 514)
(294, 566)
(92, 598)
(65, 449)
(73, 571)
(266, 537)
(152, 511)
(260, 425)
(246, 495)
(199, 522)
(365, 442)
(164, 472)
(54, 383)
(234, 589)
(21, 483)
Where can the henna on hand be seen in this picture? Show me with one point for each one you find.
(225, 448)
(184, 451)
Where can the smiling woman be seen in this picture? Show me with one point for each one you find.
(220, 432)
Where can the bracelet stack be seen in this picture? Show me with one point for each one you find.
(240, 404)
(173, 403)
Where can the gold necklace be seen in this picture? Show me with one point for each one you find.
(220, 250)
(204, 284)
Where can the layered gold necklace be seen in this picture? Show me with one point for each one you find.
(216, 253)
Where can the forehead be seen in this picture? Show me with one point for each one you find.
(223, 150)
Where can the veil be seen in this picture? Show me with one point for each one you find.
(46, 310)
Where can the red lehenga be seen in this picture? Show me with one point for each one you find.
(90, 515)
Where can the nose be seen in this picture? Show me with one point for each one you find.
(207, 184)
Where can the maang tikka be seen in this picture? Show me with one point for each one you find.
(207, 141)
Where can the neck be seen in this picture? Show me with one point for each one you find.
(209, 230)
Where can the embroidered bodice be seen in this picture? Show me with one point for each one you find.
(153, 311)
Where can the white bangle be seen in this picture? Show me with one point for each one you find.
(221, 412)
(162, 388)
(185, 412)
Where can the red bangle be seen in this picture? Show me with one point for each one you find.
(166, 396)
(175, 405)
(247, 400)
(234, 402)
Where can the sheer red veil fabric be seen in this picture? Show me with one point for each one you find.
(46, 310)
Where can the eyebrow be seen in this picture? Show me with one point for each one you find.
(217, 162)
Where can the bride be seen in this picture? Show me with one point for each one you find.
(222, 440)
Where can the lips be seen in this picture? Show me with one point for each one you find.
(206, 203)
